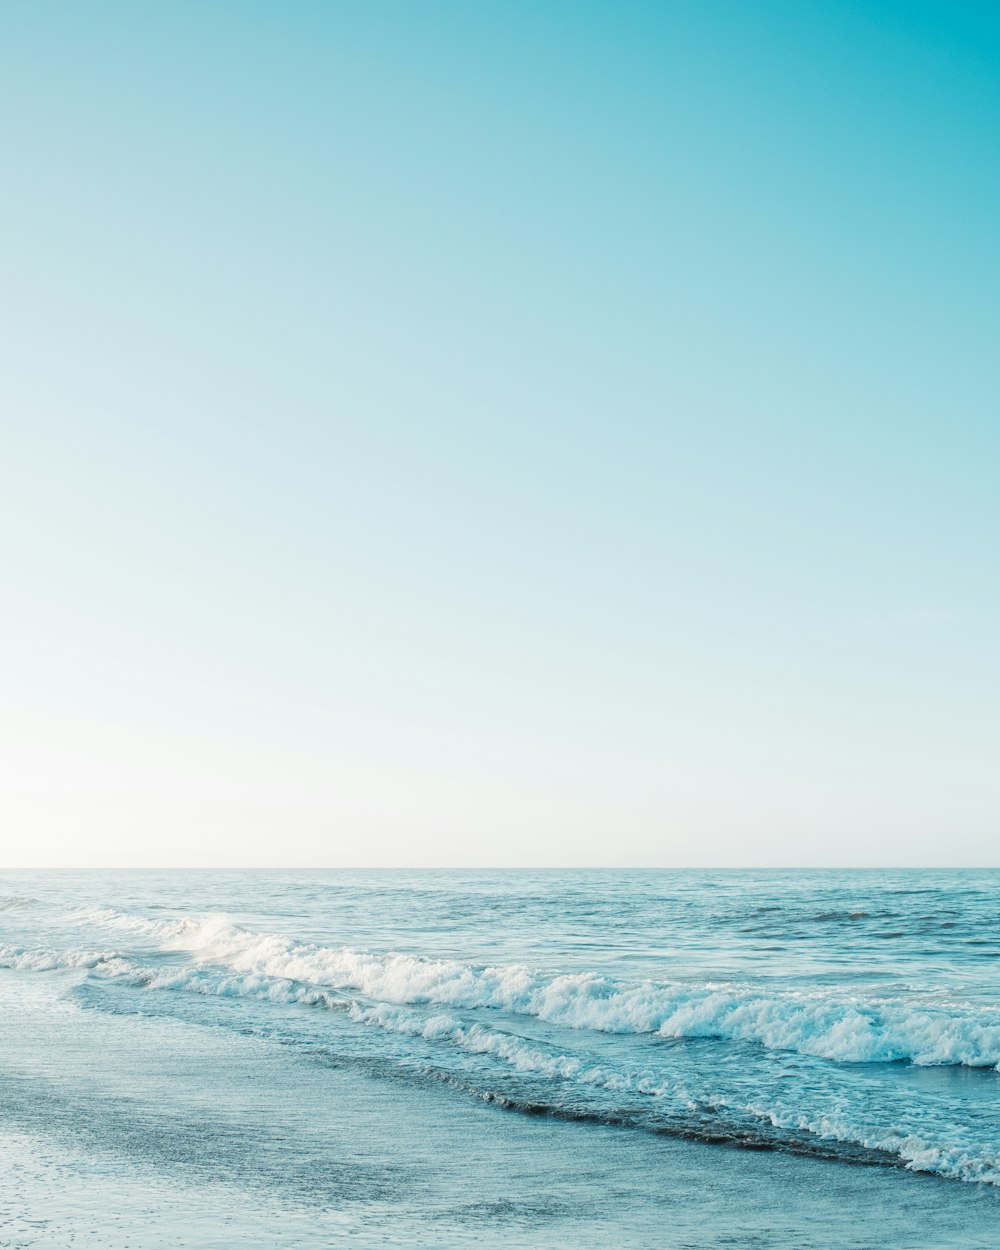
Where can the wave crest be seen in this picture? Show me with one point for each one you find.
(838, 1027)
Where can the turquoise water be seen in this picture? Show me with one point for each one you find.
(586, 1058)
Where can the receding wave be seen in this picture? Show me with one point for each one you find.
(701, 1116)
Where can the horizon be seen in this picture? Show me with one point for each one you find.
(501, 868)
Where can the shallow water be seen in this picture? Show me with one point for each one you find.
(586, 1058)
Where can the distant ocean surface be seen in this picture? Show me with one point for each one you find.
(500, 1058)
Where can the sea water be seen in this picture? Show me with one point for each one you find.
(500, 1058)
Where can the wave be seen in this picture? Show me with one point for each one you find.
(18, 902)
(954, 1161)
(46, 959)
(125, 922)
(703, 1116)
(834, 1026)
(673, 1106)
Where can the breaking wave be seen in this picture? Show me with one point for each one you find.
(563, 1074)
(672, 1105)
(833, 1026)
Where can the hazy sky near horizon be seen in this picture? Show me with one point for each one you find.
(500, 434)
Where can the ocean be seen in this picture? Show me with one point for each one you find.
(587, 1058)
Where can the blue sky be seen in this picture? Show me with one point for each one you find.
(522, 433)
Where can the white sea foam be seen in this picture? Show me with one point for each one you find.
(954, 1160)
(839, 1028)
(962, 1162)
(48, 959)
(416, 980)
(516, 1052)
(834, 1026)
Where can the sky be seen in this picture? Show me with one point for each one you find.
(464, 434)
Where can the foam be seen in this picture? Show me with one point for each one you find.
(679, 1107)
(46, 959)
(955, 1161)
(835, 1026)
(838, 1027)
(913, 1151)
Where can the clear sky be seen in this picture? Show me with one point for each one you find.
(550, 433)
